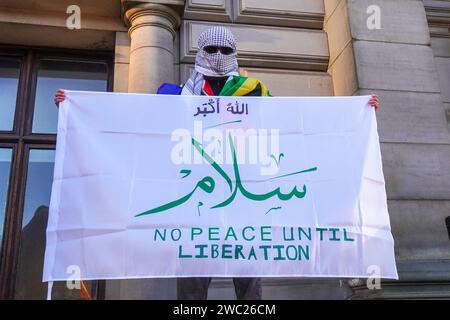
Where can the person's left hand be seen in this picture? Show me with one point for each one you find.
(374, 101)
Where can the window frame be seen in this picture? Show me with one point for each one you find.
(21, 139)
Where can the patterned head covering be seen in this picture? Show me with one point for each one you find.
(216, 64)
(212, 64)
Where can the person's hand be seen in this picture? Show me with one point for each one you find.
(60, 96)
(374, 101)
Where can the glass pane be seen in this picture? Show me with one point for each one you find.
(29, 283)
(5, 168)
(70, 75)
(9, 82)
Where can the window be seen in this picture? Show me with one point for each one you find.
(5, 169)
(28, 122)
(65, 74)
(9, 82)
(34, 223)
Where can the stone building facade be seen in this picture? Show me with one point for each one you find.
(298, 48)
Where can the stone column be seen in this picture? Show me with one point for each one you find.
(150, 62)
(152, 32)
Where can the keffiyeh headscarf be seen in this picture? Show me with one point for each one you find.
(212, 64)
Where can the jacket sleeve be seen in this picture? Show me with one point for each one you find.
(169, 88)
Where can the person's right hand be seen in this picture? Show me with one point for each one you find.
(60, 96)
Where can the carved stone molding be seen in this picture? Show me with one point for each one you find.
(438, 16)
(174, 4)
(300, 14)
(260, 46)
(282, 82)
(210, 10)
(419, 279)
(152, 15)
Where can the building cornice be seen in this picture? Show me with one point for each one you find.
(438, 16)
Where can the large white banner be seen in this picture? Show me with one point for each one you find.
(175, 186)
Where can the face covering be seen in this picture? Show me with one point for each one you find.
(216, 64)
(212, 64)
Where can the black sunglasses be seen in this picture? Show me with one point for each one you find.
(214, 49)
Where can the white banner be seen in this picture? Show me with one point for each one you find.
(175, 186)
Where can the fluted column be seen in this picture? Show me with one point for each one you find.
(152, 32)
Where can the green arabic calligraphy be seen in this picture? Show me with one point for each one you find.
(207, 184)
(274, 208)
(279, 158)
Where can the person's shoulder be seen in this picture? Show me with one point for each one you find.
(259, 88)
(252, 79)
(169, 88)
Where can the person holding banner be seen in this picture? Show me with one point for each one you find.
(216, 74)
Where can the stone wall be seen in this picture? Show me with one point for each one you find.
(43, 24)
(438, 15)
(397, 62)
